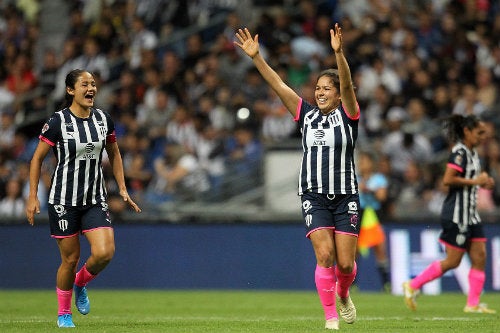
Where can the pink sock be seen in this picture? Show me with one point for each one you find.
(476, 284)
(64, 301)
(345, 280)
(83, 277)
(433, 271)
(325, 284)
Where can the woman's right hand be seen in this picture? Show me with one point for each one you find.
(32, 207)
(248, 44)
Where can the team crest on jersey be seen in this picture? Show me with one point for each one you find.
(352, 207)
(102, 128)
(69, 127)
(334, 119)
(60, 210)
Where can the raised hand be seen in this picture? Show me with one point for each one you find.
(336, 38)
(248, 44)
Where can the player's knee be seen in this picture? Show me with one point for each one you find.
(324, 258)
(345, 267)
(104, 255)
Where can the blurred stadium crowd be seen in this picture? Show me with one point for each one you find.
(195, 119)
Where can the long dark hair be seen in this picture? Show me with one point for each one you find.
(454, 126)
(70, 81)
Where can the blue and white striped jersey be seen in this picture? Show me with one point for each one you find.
(328, 142)
(460, 203)
(78, 145)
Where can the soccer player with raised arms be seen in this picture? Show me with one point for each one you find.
(327, 182)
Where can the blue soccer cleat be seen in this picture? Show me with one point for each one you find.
(82, 300)
(65, 320)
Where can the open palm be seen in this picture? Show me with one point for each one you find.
(336, 38)
(248, 44)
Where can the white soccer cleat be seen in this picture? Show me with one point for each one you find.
(332, 324)
(410, 296)
(480, 308)
(347, 310)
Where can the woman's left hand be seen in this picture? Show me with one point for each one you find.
(129, 200)
(336, 38)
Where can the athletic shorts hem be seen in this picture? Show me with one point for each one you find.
(482, 239)
(319, 228)
(452, 246)
(64, 236)
(346, 233)
(87, 230)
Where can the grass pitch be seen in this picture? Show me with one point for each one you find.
(240, 311)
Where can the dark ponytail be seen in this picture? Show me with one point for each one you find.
(454, 126)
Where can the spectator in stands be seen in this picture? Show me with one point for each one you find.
(141, 38)
(93, 59)
(7, 131)
(377, 74)
(12, 205)
(6, 96)
(244, 157)
(21, 77)
(276, 124)
(48, 72)
(402, 147)
(419, 122)
(179, 176)
(410, 199)
(469, 103)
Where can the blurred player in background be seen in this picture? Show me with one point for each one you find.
(462, 230)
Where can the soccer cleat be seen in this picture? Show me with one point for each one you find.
(410, 296)
(65, 320)
(347, 310)
(82, 300)
(332, 324)
(480, 308)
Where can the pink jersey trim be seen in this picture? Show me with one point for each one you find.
(320, 228)
(356, 117)
(47, 141)
(454, 166)
(483, 239)
(452, 246)
(84, 231)
(297, 114)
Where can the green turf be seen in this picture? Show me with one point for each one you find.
(240, 311)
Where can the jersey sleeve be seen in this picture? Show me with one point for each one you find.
(111, 134)
(457, 160)
(303, 108)
(51, 131)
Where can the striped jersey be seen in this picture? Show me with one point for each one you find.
(78, 145)
(328, 143)
(460, 203)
